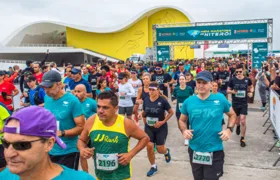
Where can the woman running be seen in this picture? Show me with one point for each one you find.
(154, 108)
(126, 92)
(102, 86)
(181, 93)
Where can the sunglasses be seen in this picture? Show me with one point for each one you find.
(238, 71)
(157, 69)
(133, 72)
(19, 146)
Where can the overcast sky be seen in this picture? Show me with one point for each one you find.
(107, 13)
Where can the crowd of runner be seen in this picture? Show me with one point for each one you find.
(76, 113)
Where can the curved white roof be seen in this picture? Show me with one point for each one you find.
(146, 12)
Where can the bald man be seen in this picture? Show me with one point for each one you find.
(89, 108)
(88, 105)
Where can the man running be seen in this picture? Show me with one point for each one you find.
(70, 119)
(77, 79)
(108, 135)
(29, 136)
(223, 79)
(240, 87)
(162, 78)
(205, 113)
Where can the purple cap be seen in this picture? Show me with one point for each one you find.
(35, 121)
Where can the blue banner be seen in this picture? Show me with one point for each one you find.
(163, 53)
(259, 54)
(217, 32)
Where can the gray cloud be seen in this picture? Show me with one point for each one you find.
(107, 13)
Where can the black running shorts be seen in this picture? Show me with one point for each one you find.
(240, 110)
(69, 160)
(208, 172)
(157, 135)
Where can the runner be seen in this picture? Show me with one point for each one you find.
(126, 92)
(37, 72)
(29, 136)
(156, 127)
(85, 74)
(68, 112)
(181, 93)
(223, 79)
(67, 79)
(77, 79)
(189, 81)
(89, 108)
(162, 79)
(109, 135)
(205, 112)
(240, 87)
(92, 79)
(102, 86)
(36, 94)
(136, 84)
(143, 92)
(7, 92)
(179, 72)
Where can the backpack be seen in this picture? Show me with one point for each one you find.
(37, 99)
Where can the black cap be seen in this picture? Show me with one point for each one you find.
(49, 78)
(31, 78)
(205, 76)
(121, 75)
(75, 71)
(2, 73)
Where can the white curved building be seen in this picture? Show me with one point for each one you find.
(72, 43)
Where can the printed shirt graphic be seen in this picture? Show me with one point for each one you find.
(182, 95)
(89, 107)
(65, 109)
(110, 140)
(205, 118)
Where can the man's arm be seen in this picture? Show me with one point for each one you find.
(183, 123)
(80, 122)
(231, 117)
(132, 130)
(46, 57)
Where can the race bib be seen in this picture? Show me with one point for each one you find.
(151, 121)
(68, 90)
(122, 97)
(205, 158)
(57, 124)
(94, 87)
(174, 84)
(180, 105)
(107, 162)
(240, 94)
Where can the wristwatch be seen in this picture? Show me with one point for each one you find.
(62, 133)
(230, 128)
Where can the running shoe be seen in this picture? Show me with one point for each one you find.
(186, 142)
(238, 130)
(242, 143)
(167, 156)
(262, 108)
(152, 172)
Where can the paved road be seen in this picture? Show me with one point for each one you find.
(253, 162)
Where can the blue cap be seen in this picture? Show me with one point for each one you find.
(75, 71)
(205, 76)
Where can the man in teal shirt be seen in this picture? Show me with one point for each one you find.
(205, 113)
(88, 105)
(70, 119)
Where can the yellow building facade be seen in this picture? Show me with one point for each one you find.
(134, 39)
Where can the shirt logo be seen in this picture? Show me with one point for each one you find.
(216, 102)
(87, 105)
(159, 103)
(65, 103)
